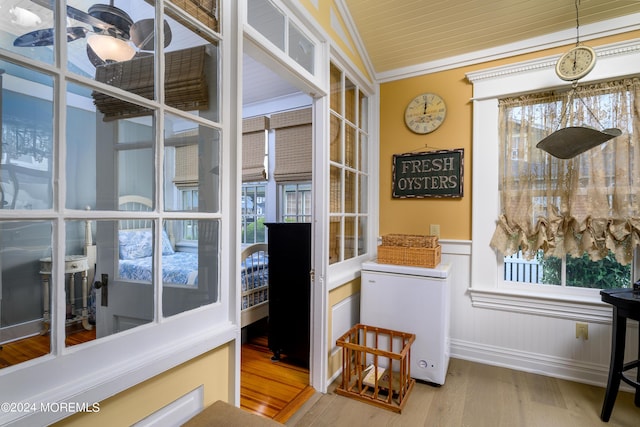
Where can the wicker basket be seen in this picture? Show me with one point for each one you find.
(418, 257)
(410, 240)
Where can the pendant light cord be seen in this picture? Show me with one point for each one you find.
(577, 23)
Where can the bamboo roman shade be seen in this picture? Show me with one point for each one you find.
(253, 148)
(186, 166)
(293, 145)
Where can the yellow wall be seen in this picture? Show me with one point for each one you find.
(413, 216)
(213, 370)
(322, 15)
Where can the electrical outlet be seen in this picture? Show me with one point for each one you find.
(434, 230)
(582, 330)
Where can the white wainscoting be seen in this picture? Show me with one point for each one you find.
(527, 341)
(344, 315)
(177, 412)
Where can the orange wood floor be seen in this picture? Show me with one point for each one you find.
(273, 389)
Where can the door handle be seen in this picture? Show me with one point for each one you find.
(103, 284)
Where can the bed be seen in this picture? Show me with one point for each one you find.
(135, 241)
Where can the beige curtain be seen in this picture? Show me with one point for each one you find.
(590, 203)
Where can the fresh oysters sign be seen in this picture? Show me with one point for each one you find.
(429, 174)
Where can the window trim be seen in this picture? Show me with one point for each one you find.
(488, 290)
(99, 368)
(344, 271)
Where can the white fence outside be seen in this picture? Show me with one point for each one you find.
(518, 269)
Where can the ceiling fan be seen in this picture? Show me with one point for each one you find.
(113, 35)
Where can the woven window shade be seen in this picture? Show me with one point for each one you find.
(253, 152)
(293, 145)
(186, 166)
(205, 11)
(185, 83)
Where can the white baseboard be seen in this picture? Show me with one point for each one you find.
(20, 331)
(568, 369)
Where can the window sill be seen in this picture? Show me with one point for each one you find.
(572, 307)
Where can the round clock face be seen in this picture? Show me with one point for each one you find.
(576, 63)
(425, 113)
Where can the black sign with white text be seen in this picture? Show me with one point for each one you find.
(428, 174)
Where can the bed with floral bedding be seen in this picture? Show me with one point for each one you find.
(135, 247)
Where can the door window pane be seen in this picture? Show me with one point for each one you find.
(190, 273)
(26, 150)
(335, 97)
(25, 287)
(79, 268)
(268, 20)
(30, 32)
(192, 156)
(301, 49)
(107, 158)
(124, 297)
(350, 101)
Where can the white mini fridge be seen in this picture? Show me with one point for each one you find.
(414, 300)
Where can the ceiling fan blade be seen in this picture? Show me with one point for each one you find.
(46, 37)
(118, 21)
(143, 31)
(100, 20)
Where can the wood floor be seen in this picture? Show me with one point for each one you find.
(476, 395)
(271, 389)
(39, 345)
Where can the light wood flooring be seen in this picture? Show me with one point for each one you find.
(476, 395)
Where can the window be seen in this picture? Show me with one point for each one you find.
(189, 198)
(254, 197)
(84, 192)
(348, 169)
(567, 218)
(277, 27)
(295, 202)
(489, 289)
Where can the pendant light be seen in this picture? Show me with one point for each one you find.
(571, 141)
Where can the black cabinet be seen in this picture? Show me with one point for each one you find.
(289, 290)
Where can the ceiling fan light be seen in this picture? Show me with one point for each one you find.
(110, 49)
(24, 17)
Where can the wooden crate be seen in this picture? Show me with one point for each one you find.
(410, 240)
(376, 366)
(417, 257)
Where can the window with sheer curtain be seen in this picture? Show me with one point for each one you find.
(587, 207)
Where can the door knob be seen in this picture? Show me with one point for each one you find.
(103, 284)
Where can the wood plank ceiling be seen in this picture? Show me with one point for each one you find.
(402, 33)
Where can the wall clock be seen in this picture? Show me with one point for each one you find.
(576, 63)
(425, 113)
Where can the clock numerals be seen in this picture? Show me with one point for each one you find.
(425, 113)
(576, 63)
